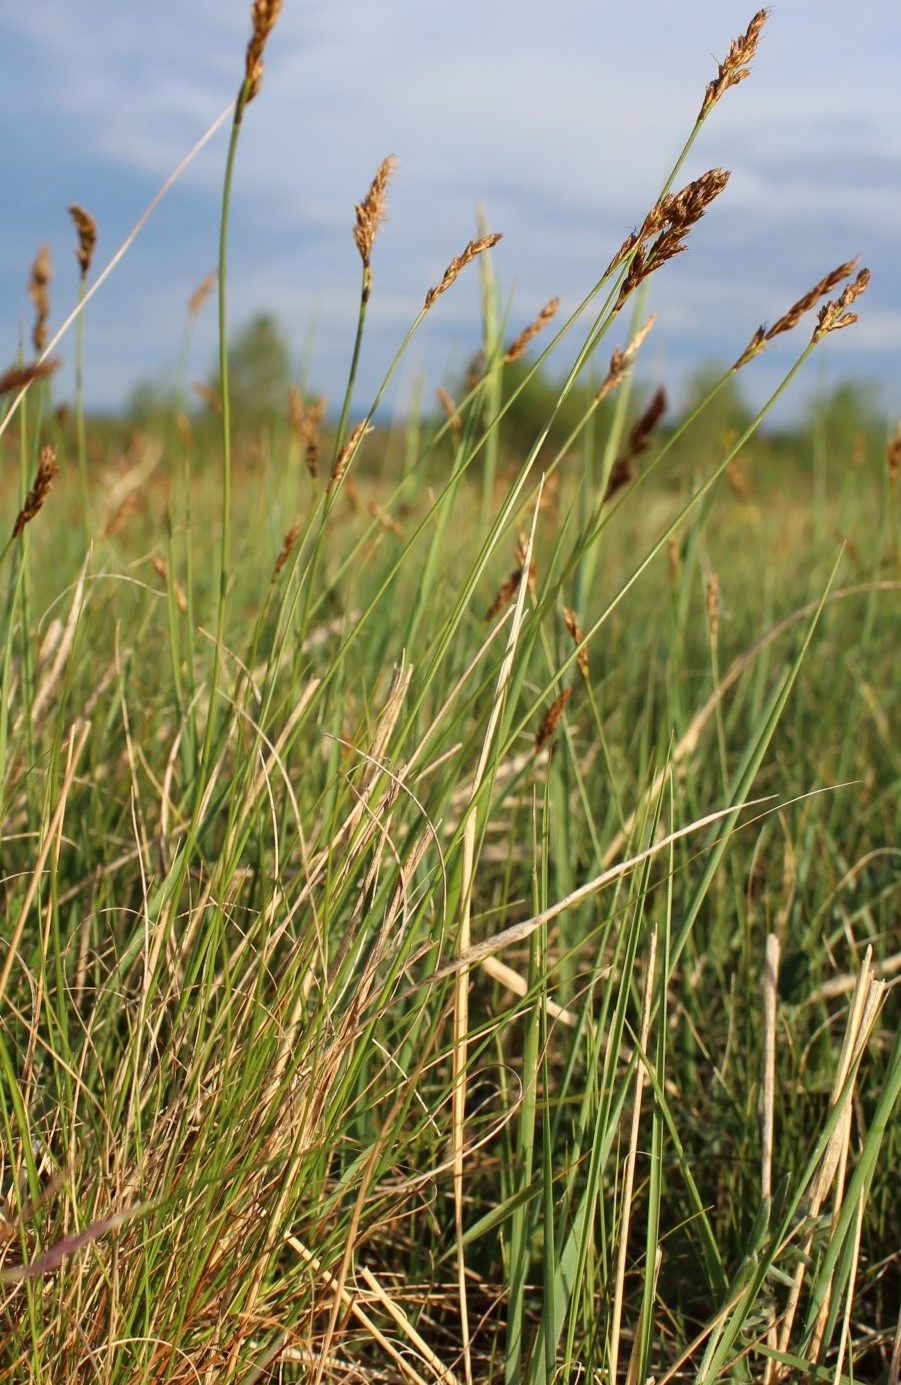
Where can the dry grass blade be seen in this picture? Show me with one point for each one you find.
(34, 500)
(736, 65)
(86, 227)
(305, 421)
(459, 262)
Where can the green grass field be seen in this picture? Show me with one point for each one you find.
(451, 899)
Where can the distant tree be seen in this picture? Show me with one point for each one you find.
(151, 401)
(259, 371)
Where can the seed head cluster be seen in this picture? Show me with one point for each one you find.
(86, 228)
(459, 262)
(736, 65)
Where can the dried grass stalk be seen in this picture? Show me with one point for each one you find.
(448, 404)
(528, 334)
(34, 500)
(459, 262)
(263, 15)
(38, 286)
(736, 65)
(20, 376)
(86, 227)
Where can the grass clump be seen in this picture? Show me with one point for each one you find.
(455, 942)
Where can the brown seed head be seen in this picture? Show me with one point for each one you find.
(811, 298)
(305, 421)
(575, 629)
(287, 547)
(735, 67)
(177, 589)
(448, 404)
(713, 606)
(86, 227)
(346, 455)
(202, 292)
(893, 455)
(552, 716)
(665, 228)
(528, 334)
(834, 315)
(474, 248)
(621, 361)
(18, 376)
(38, 285)
(210, 397)
(263, 14)
(34, 500)
(371, 211)
(623, 471)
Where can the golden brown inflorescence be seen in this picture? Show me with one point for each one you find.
(346, 455)
(665, 229)
(571, 622)
(86, 228)
(832, 315)
(34, 500)
(528, 334)
(623, 471)
(371, 211)
(736, 65)
(621, 361)
(18, 376)
(263, 15)
(202, 292)
(305, 421)
(459, 262)
(548, 725)
(38, 286)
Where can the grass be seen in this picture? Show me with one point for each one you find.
(392, 991)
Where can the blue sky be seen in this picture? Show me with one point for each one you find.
(561, 121)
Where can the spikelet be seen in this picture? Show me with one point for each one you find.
(528, 334)
(571, 622)
(38, 286)
(622, 471)
(621, 361)
(371, 211)
(287, 548)
(549, 722)
(86, 228)
(736, 65)
(263, 14)
(34, 500)
(18, 376)
(834, 315)
(202, 292)
(346, 455)
(459, 262)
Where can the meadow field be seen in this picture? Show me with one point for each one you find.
(451, 868)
